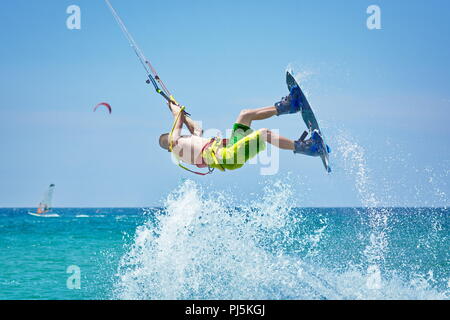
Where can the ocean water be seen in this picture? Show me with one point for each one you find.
(199, 247)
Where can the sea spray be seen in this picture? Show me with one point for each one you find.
(201, 247)
(383, 260)
(352, 156)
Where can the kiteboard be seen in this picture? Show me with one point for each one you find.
(311, 122)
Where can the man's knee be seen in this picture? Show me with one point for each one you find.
(246, 113)
(245, 117)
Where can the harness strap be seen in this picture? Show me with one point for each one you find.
(210, 170)
(214, 146)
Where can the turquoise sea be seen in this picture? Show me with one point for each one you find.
(198, 247)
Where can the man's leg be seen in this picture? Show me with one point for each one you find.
(247, 116)
(288, 105)
(277, 140)
(310, 147)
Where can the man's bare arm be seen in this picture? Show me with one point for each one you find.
(176, 134)
(192, 126)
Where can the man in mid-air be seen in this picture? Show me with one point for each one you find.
(244, 143)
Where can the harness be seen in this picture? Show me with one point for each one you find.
(209, 153)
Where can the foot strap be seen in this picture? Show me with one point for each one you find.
(304, 135)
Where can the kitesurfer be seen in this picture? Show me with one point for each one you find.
(244, 143)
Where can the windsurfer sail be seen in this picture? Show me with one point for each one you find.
(46, 203)
(45, 206)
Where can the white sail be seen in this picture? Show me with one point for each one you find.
(46, 203)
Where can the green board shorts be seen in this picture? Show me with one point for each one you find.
(244, 144)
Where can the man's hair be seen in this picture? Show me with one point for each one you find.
(164, 141)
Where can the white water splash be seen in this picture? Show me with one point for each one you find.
(354, 163)
(200, 247)
(203, 249)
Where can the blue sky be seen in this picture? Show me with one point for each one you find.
(385, 90)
